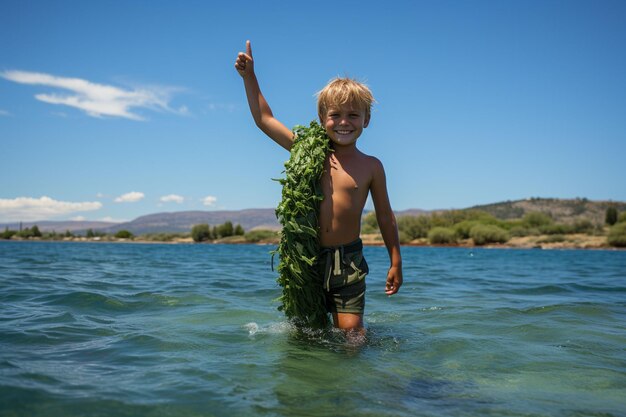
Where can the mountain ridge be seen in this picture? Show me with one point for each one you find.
(561, 210)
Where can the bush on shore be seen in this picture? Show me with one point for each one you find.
(519, 231)
(201, 233)
(163, 237)
(369, 224)
(124, 234)
(404, 237)
(414, 227)
(583, 226)
(463, 229)
(255, 236)
(8, 234)
(442, 236)
(617, 235)
(536, 219)
(610, 217)
(483, 234)
(556, 229)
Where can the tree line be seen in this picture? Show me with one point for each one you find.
(204, 232)
(449, 227)
(34, 232)
(482, 228)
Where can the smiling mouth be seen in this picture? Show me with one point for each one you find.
(343, 132)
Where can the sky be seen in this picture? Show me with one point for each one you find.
(110, 110)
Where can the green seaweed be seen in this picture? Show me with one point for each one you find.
(302, 298)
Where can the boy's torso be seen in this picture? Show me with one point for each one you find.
(345, 183)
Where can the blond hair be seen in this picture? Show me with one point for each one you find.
(341, 91)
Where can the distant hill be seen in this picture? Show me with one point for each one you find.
(561, 210)
(59, 226)
(414, 212)
(183, 221)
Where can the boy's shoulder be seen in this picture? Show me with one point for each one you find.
(370, 161)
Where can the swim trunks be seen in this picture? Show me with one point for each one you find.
(344, 269)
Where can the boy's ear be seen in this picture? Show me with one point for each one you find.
(367, 121)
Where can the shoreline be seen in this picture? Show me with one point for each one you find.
(574, 242)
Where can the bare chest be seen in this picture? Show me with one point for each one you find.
(345, 180)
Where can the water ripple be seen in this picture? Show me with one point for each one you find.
(193, 330)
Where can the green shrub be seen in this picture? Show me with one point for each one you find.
(519, 231)
(225, 230)
(414, 227)
(481, 216)
(611, 215)
(441, 235)
(483, 234)
(463, 229)
(536, 219)
(238, 231)
(617, 235)
(404, 237)
(123, 234)
(25, 233)
(445, 219)
(51, 235)
(369, 224)
(582, 226)
(622, 217)
(255, 236)
(8, 234)
(163, 237)
(533, 231)
(201, 232)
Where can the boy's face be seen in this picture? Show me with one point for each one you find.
(344, 124)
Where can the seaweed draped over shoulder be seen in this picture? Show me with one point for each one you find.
(302, 297)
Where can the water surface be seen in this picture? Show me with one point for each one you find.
(100, 329)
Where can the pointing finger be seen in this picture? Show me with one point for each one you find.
(248, 49)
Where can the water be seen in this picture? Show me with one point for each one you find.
(97, 329)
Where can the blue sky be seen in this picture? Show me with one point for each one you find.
(115, 109)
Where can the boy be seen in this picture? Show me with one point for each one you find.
(349, 175)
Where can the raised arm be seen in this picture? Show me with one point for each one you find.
(388, 227)
(261, 112)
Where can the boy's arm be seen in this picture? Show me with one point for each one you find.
(259, 108)
(388, 227)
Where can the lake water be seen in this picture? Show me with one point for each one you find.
(99, 329)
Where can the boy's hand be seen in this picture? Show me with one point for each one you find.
(244, 63)
(394, 280)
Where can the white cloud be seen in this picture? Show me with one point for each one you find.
(172, 198)
(5, 113)
(43, 208)
(78, 218)
(209, 200)
(112, 220)
(221, 107)
(97, 100)
(131, 197)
